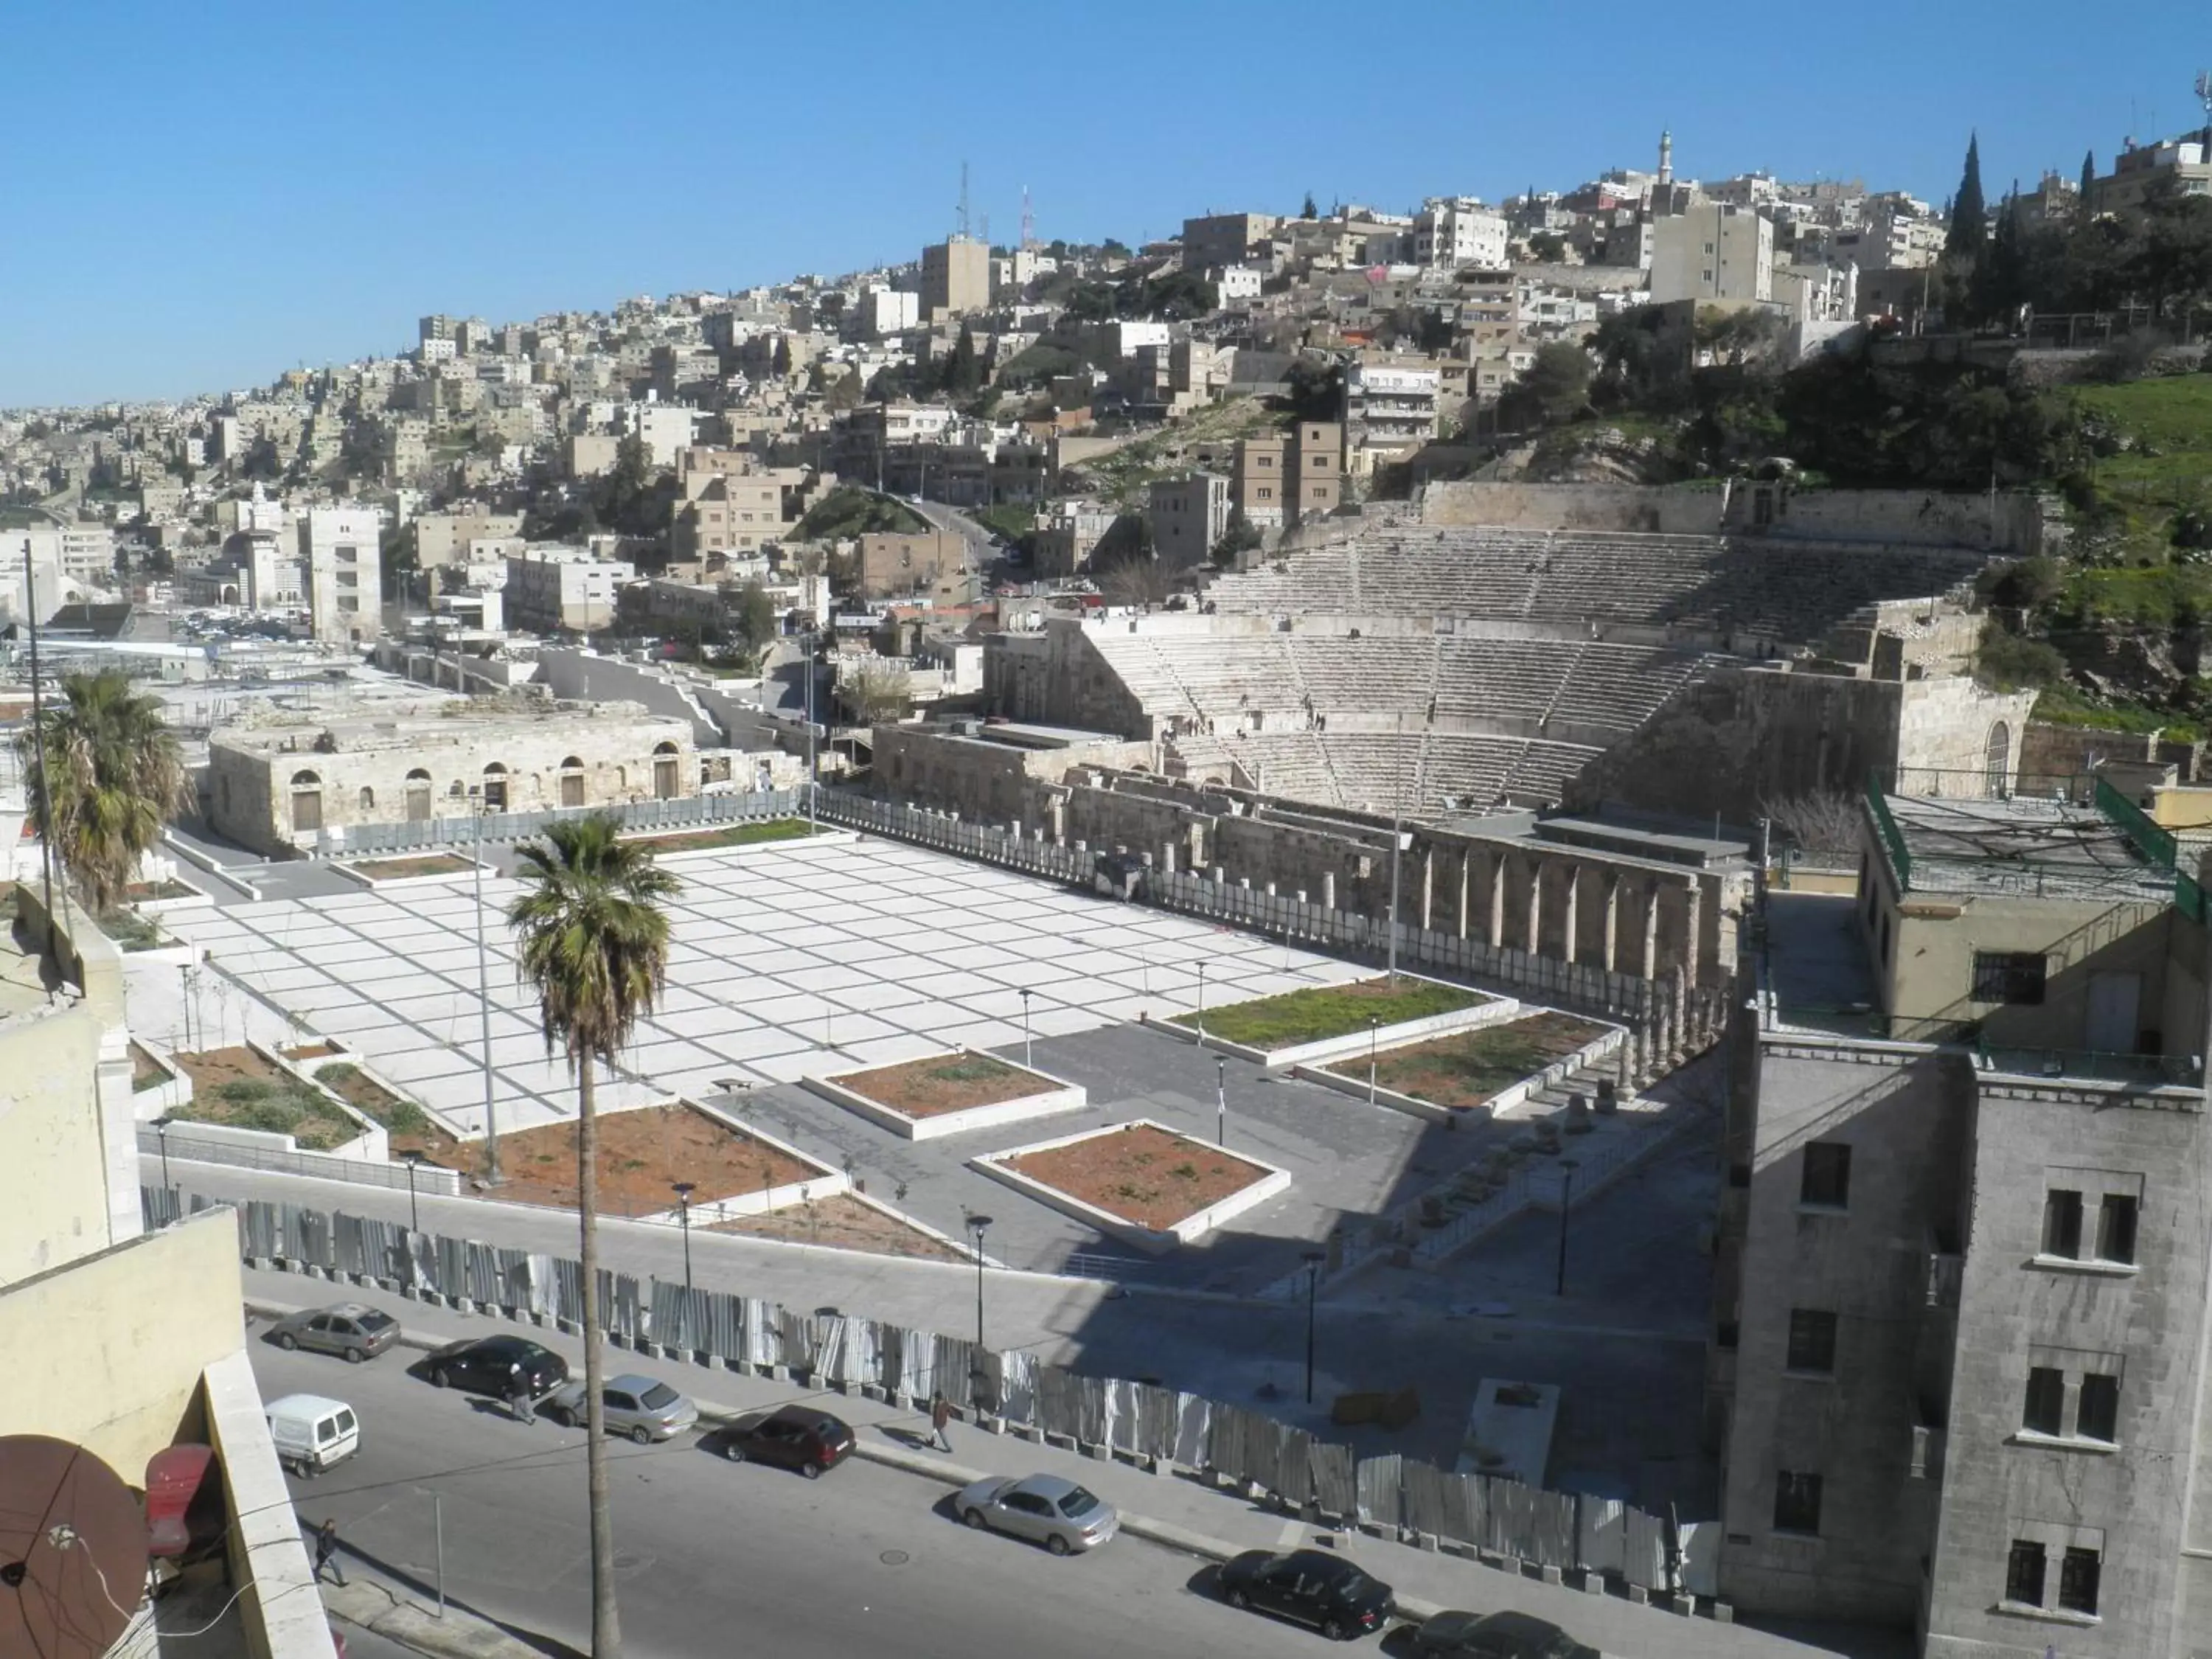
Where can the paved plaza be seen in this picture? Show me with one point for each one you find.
(788, 958)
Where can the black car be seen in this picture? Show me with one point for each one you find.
(1496, 1636)
(486, 1364)
(791, 1436)
(1311, 1586)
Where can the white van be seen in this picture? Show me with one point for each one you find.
(312, 1433)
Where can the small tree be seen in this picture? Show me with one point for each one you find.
(876, 693)
(1307, 210)
(1554, 388)
(1825, 821)
(1135, 579)
(104, 775)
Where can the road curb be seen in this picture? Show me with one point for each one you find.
(381, 1609)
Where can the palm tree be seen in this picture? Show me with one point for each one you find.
(104, 775)
(594, 945)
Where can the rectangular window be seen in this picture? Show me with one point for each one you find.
(2024, 1573)
(2078, 1572)
(2008, 976)
(2097, 1416)
(1812, 1341)
(2046, 1410)
(2062, 1224)
(1797, 1503)
(1828, 1177)
(2116, 1228)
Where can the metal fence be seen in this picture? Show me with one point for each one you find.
(687, 812)
(1392, 1493)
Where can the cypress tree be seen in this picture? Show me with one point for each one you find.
(2089, 179)
(1969, 211)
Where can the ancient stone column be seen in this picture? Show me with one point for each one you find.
(1572, 879)
(1612, 920)
(1466, 858)
(1497, 899)
(1532, 938)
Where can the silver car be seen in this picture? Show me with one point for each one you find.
(640, 1407)
(1044, 1509)
(352, 1330)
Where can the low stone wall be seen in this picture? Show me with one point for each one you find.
(281, 1610)
(1064, 1097)
(1157, 1241)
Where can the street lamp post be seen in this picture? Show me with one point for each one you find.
(1220, 1102)
(1374, 1030)
(413, 1161)
(1028, 1056)
(1201, 1002)
(483, 993)
(161, 1128)
(1566, 1198)
(978, 1224)
(683, 1191)
(813, 639)
(1313, 1259)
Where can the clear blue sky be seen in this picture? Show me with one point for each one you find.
(199, 197)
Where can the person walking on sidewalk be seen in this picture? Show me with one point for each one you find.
(326, 1553)
(940, 1413)
(517, 1396)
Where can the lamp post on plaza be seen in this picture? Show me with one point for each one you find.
(483, 991)
(1220, 1102)
(1028, 1056)
(1313, 1259)
(683, 1191)
(1374, 1027)
(413, 1160)
(161, 1128)
(1201, 1002)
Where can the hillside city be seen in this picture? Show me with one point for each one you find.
(1482, 926)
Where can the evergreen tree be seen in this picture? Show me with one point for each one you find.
(1969, 211)
(964, 374)
(2089, 179)
(1307, 211)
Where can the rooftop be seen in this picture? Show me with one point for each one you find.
(457, 721)
(2024, 846)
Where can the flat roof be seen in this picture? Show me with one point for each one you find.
(2028, 847)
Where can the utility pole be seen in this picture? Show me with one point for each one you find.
(38, 726)
(484, 997)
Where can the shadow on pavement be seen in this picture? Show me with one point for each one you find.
(551, 1646)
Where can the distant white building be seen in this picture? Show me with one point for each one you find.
(552, 588)
(887, 311)
(1388, 409)
(1713, 252)
(1234, 283)
(1456, 231)
(341, 548)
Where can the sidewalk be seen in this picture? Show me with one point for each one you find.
(367, 1600)
(1180, 1511)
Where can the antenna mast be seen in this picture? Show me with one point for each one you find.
(2204, 96)
(1028, 220)
(964, 201)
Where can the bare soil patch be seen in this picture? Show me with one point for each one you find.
(937, 1084)
(845, 1223)
(641, 1154)
(1468, 1067)
(1141, 1173)
(426, 864)
(309, 1051)
(365, 1094)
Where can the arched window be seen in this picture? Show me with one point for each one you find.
(494, 788)
(306, 803)
(418, 796)
(368, 801)
(572, 782)
(666, 780)
(1996, 760)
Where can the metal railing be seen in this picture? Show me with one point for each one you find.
(2156, 845)
(2149, 1070)
(676, 816)
(1892, 839)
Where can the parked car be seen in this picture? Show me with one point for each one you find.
(485, 1365)
(1311, 1586)
(1044, 1509)
(352, 1329)
(638, 1407)
(791, 1436)
(312, 1432)
(1497, 1635)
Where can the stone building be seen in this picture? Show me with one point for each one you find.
(1957, 1359)
(280, 789)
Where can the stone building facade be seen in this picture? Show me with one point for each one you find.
(281, 790)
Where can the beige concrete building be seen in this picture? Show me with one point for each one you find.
(955, 278)
(1189, 516)
(1959, 1353)
(444, 538)
(283, 788)
(1280, 480)
(1226, 239)
(340, 550)
(1712, 252)
(556, 589)
(896, 564)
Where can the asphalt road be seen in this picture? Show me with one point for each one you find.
(714, 1557)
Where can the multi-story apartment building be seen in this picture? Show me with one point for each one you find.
(1454, 231)
(551, 589)
(1713, 252)
(341, 552)
(1962, 1296)
(1277, 481)
(1389, 410)
(1894, 231)
(1227, 239)
(885, 311)
(955, 278)
(2182, 163)
(1189, 515)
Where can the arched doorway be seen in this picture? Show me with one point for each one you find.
(306, 803)
(494, 788)
(667, 780)
(1996, 761)
(572, 782)
(418, 796)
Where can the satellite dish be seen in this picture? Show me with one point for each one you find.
(72, 1550)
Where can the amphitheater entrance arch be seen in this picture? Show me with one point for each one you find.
(1996, 760)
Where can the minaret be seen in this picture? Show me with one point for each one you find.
(1666, 159)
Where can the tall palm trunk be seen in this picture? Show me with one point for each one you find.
(606, 1628)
